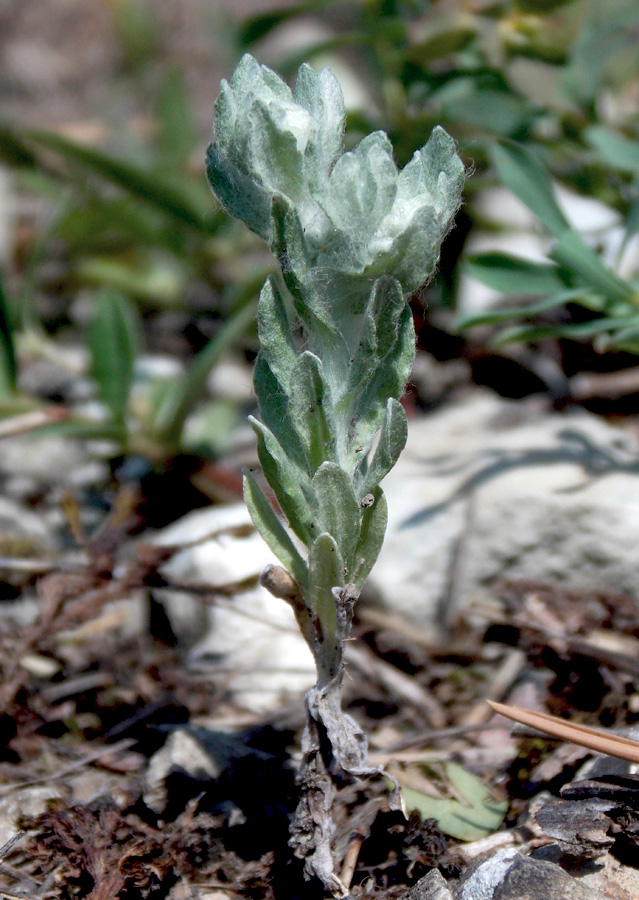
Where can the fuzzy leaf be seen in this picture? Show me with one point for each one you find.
(238, 193)
(274, 410)
(311, 409)
(392, 440)
(380, 365)
(274, 332)
(371, 537)
(270, 527)
(285, 479)
(336, 508)
(325, 571)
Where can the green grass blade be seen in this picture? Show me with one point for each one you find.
(171, 417)
(8, 364)
(114, 339)
(143, 184)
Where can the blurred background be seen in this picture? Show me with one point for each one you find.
(127, 297)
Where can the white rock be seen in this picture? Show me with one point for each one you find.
(530, 495)
(253, 641)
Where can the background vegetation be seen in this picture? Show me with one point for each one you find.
(129, 261)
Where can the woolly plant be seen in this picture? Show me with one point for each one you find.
(354, 237)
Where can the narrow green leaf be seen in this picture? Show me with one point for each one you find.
(274, 332)
(143, 184)
(325, 571)
(8, 364)
(337, 510)
(571, 252)
(495, 316)
(580, 331)
(515, 275)
(392, 440)
(270, 527)
(521, 171)
(311, 409)
(171, 416)
(113, 338)
(287, 482)
(371, 536)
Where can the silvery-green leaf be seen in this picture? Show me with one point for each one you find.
(389, 380)
(371, 535)
(321, 95)
(362, 187)
(270, 527)
(337, 509)
(289, 246)
(275, 152)
(274, 332)
(274, 410)
(238, 193)
(286, 480)
(380, 367)
(392, 440)
(311, 408)
(379, 335)
(325, 571)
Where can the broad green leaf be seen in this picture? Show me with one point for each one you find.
(571, 252)
(520, 170)
(113, 338)
(274, 332)
(515, 275)
(8, 364)
(392, 440)
(615, 150)
(336, 509)
(485, 107)
(325, 571)
(475, 815)
(371, 537)
(311, 409)
(270, 527)
(286, 480)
